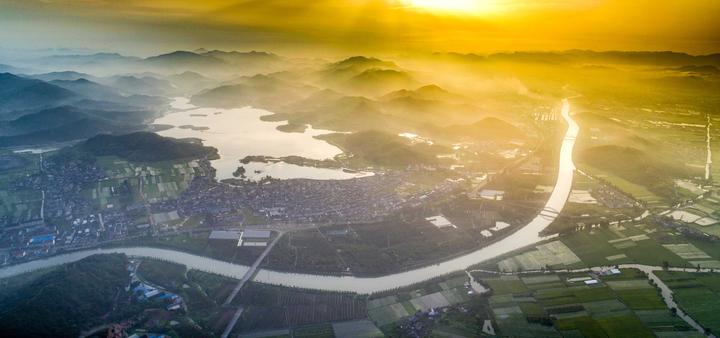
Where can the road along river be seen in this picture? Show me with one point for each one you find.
(527, 235)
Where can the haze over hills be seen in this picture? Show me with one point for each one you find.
(371, 151)
(359, 168)
(19, 93)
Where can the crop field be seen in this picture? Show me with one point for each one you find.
(698, 294)
(272, 307)
(686, 251)
(357, 328)
(160, 181)
(19, 206)
(215, 286)
(389, 309)
(619, 305)
(604, 246)
(554, 254)
(635, 190)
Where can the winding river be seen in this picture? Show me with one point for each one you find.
(527, 235)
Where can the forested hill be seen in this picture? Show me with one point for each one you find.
(64, 301)
(145, 147)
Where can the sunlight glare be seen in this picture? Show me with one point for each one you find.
(455, 6)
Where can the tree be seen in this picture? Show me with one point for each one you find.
(665, 265)
(239, 172)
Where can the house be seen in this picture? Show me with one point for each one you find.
(489, 194)
(151, 293)
(254, 238)
(43, 239)
(440, 221)
(225, 235)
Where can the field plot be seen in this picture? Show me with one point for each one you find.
(621, 305)
(388, 314)
(19, 206)
(602, 246)
(635, 190)
(357, 328)
(698, 294)
(160, 181)
(686, 251)
(315, 331)
(390, 309)
(272, 307)
(554, 254)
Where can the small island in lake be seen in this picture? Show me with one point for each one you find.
(189, 126)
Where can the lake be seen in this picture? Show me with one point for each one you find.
(239, 132)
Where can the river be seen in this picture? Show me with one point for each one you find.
(525, 236)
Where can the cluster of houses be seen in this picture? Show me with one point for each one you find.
(145, 292)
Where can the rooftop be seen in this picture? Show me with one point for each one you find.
(225, 234)
(250, 233)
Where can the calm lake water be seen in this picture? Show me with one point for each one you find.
(239, 132)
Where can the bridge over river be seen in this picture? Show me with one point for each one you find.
(525, 236)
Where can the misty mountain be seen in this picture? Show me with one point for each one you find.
(190, 82)
(635, 165)
(67, 116)
(376, 81)
(346, 113)
(338, 72)
(179, 61)
(18, 93)
(90, 90)
(663, 58)
(11, 69)
(261, 91)
(428, 92)
(64, 76)
(358, 64)
(96, 63)
(66, 124)
(377, 148)
(97, 92)
(489, 128)
(248, 62)
(76, 130)
(700, 70)
(144, 85)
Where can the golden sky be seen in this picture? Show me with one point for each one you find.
(142, 26)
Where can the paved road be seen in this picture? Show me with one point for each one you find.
(234, 320)
(248, 275)
(251, 272)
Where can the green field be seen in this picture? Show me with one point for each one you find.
(623, 305)
(698, 294)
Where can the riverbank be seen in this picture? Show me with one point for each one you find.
(523, 237)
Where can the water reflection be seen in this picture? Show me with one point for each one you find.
(239, 132)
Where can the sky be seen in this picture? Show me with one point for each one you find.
(140, 27)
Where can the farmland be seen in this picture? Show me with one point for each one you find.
(698, 294)
(271, 307)
(18, 204)
(554, 305)
(157, 181)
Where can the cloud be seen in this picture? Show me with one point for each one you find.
(374, 24)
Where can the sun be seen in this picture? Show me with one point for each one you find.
(454, 6)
